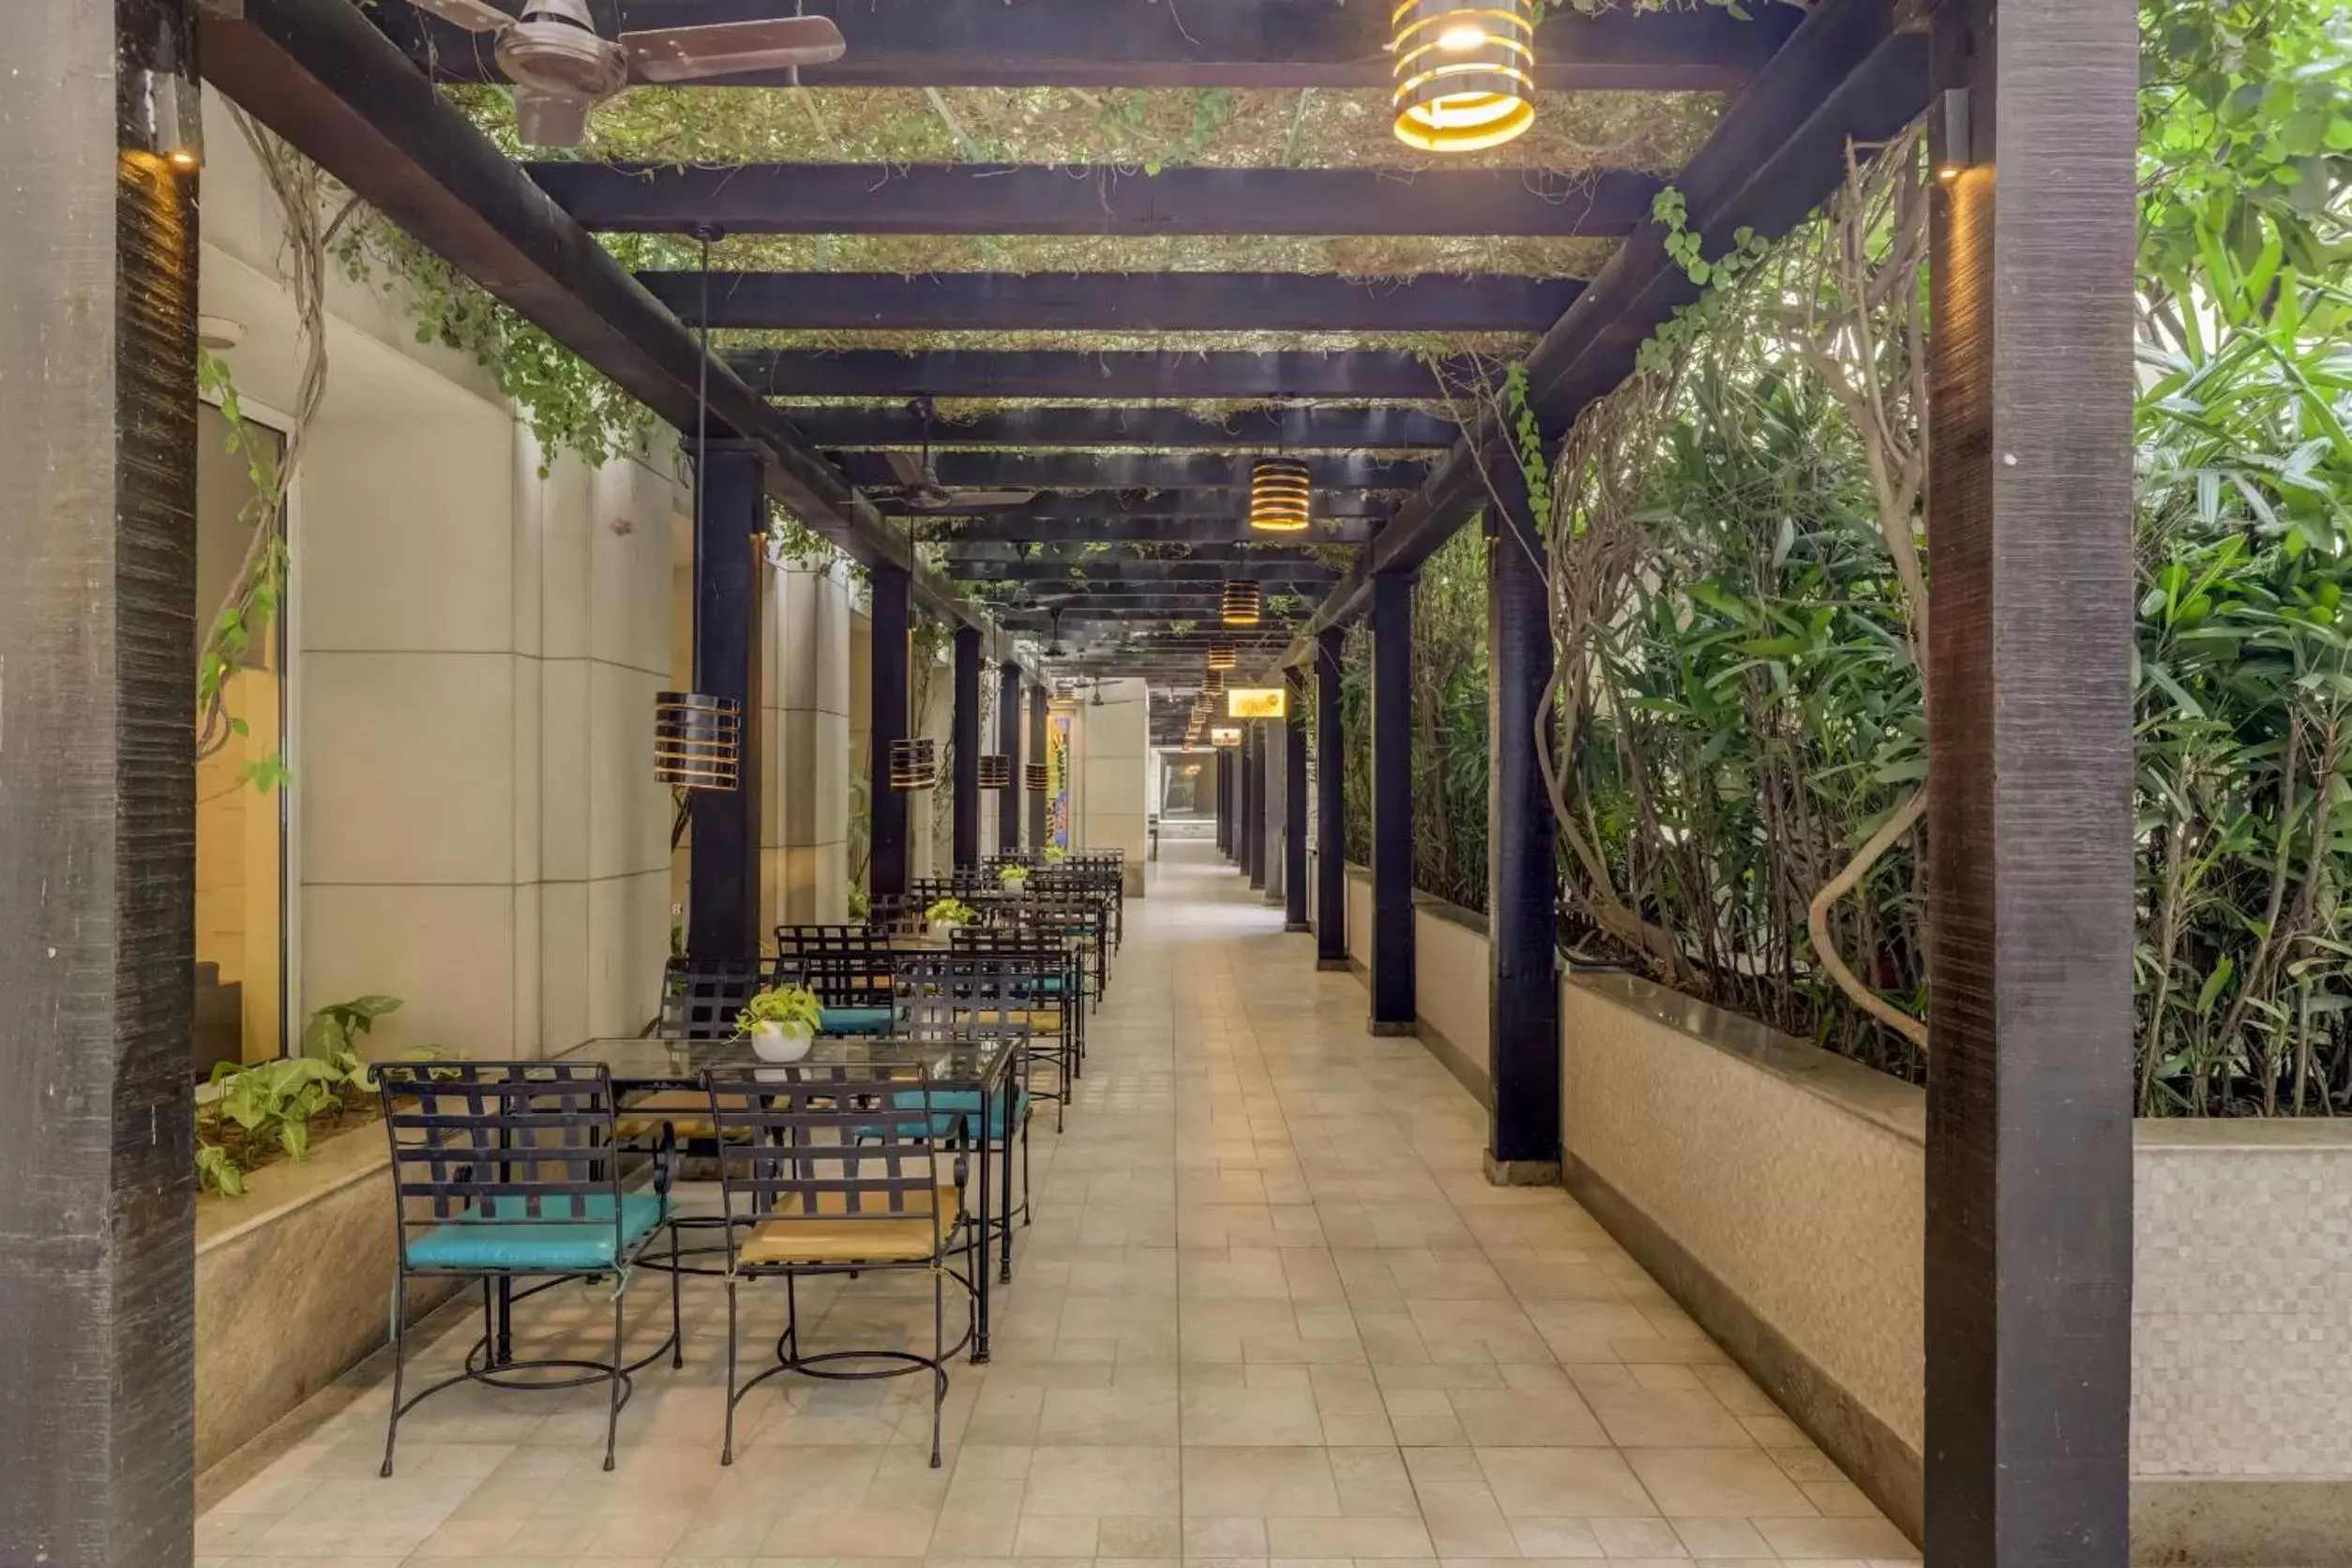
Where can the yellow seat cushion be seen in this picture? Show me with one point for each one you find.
(837, 1237)
(688, 1110)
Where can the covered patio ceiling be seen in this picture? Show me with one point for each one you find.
(1015, 293)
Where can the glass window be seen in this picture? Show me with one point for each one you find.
(240, 830)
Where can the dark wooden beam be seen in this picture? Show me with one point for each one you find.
(730, 563)
(99, 258)
(1161, 513)
(964, 742)
(1202, 43)
(1215, 572)
(1390, 982)
(339, 91)
(2030, 841)
(1294, 800)
(1142, 529)
(1854, 69)
(897, 426)
(1125, 375)
(1008, 746)
(958, 550)
(1112, 301)
(1130, 471)
(888, 693)
(1330, 809)
(1033, 198)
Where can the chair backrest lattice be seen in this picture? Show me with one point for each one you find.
(501, 1142)
(700, 998)
(846, 1143)
(845, 966)
(965, 996)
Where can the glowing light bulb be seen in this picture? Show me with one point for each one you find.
(1462, 37)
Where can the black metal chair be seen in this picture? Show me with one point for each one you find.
(830, 1169)
(1049, 976)
(965, 996)
(507, 1170)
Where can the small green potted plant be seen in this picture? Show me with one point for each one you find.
(948, 917)
(1056, 854)
(782, 1023)
(1012, 878)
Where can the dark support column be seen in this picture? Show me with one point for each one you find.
(1393, 1001)
(1241, 804)
(1331, 807)
(97, 633)
(893, 624)
(1294, 801)
(1008, 741)
(965, 720)
(1523, 1046)
(1037, 750)
(730, 524)
(2029, 1086)
(1225, 801)
(1261, 781)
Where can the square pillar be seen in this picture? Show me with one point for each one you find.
(1523, 1044)
(1393, 999)
(1008, 741)
(1294, 800)
(964, 741)
(1037, 754)
(731, 527)
(1331, 806)
(894, 631)
(97, 633)
(2030, 829)
(1260, 782)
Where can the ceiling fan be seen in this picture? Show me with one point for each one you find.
(919, 473)
(562, 67)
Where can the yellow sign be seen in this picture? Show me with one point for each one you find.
(1255, 702)
(1226, 734)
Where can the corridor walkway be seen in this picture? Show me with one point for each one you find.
(1268, 1313)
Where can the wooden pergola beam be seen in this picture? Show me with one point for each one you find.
(1126, 376)
(1110, 525)
(1091, 552)
(1110, 301)
(1075, 573)
(1045, 199)
(1119, 471)
(1202, 43)
(897, 426)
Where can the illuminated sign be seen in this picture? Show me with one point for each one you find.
(1255, 702)
(1226, 734)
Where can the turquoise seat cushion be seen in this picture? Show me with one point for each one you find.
(1050, 985)
(958, 1110)
(554, 1243)
(856, 1020)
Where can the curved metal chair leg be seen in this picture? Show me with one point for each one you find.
(399, 1336)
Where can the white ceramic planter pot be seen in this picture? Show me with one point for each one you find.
(776, 1042)
(943, 932)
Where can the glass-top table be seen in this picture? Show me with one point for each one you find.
(642, 1064)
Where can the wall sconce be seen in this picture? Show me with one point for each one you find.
(1465, 72)
(996, 771)
(1039, 776)
(1958, 151)
(1244, 603)
(914, 763)
(698, 739)
(172, 108)
(1281, 496)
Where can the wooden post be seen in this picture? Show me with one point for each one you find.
(1523, 1044)
(98, 437)
(1331, 806)
(965, 720)
(1261, 807)
(1393, 996)
(2029, 834)
(1008, 741)
(1294, 800)
(730, 560)
(1245, 821)
(893, 628)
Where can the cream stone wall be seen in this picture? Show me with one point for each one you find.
(806, 823)
(1450, 979)
(1110, 742)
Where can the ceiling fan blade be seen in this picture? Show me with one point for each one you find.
(910, 470)
(545, 119)
(475, 16)
(733, 48)
(992, 497)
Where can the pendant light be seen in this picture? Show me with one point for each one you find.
(914, 763)
(1223, 655)
(1281, 492)
(697, 738)
(1245, 602)
(1465, 72)
(1214, 683)
(996, 771)
(1039, 776)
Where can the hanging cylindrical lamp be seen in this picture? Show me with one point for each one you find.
(1040, 777)
(1245, 602)
(1465, 72)
(914, 763)
(996, 771)
(698, 739)
(1214, 683)
(1281, 491)
(1223, 655)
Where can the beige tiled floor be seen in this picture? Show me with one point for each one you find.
(1269, 1313)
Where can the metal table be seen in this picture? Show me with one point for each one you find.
(645, 1064)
